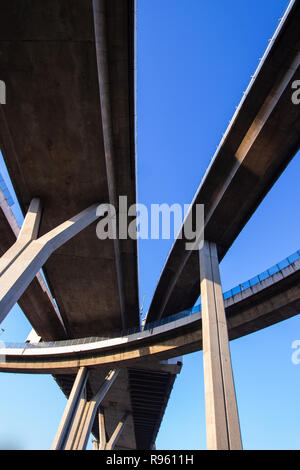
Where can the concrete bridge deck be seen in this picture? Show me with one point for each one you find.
(67, 134)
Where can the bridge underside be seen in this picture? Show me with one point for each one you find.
(52, 136)
(143, 393)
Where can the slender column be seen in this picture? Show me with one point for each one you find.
(70, 410)
(117, 433)
(76, 428)
(91, 409)
(222, 421)
(16, 278)
(81, 422)
(95, 444)
(102, 430)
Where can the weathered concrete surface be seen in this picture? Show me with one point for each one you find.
(261, 140)
(222, 419)
(36, 302)
(51, 136)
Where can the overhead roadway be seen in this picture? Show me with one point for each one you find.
(67, 135)
(263, 137)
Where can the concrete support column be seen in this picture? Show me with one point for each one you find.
(222, 421)
(102, 430)
(95, 444)
(117, 433)
(71, 409)
(86, 415)
(77, 425)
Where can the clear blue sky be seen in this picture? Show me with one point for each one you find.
(194, 61)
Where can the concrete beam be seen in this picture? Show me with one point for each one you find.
(95, 444)
(33, 337)
(37, 302)
(102, 53)
(16, 278)
(222, 421)
(102, 430)
(117, 432)
(70, 410)
(91, 409)
(78, 423)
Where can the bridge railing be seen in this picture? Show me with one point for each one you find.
(95, 339)
(263, 276)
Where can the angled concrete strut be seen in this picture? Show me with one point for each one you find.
(67, 419)
(79, 415)
(26, 257)
(111, 443)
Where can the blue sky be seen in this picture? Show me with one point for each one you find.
(194, 61)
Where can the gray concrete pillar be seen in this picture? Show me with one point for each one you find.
(77, 425)
(89, 410)
(117, 433)
(67, 419)
(102, 430)
(222, 420)
(95, 444)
